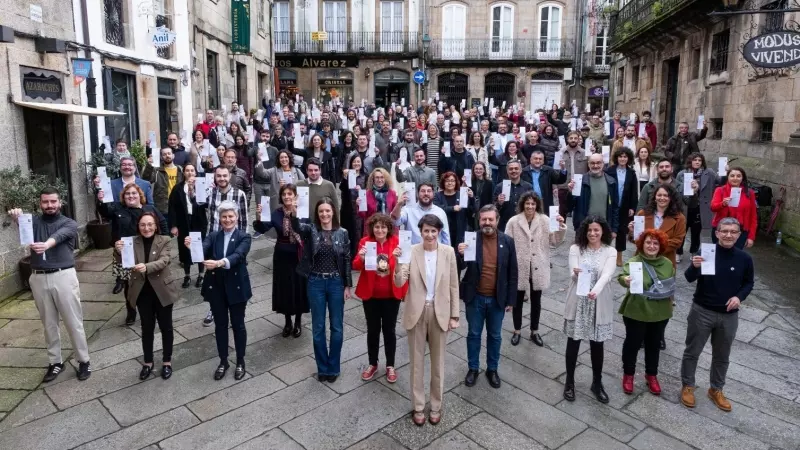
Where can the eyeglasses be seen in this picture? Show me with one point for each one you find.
(729, 232)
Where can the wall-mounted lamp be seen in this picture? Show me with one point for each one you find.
(232, 64)
(367, 72)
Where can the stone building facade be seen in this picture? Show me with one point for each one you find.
(682, 63)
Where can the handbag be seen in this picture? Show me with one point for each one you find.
(660, 289)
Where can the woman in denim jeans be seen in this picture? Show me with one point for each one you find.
(326, 264)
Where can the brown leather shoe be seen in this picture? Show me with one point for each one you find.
(418, 418)
(435, 417)
(687, 396)
(719, 399)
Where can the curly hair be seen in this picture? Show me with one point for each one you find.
(692, 157)
(582, 235)
(530, 195)
(380, 218)
(387, 178)
(622, 151)
(129, 186)
(445, 175)
(674, 207)
(658, 235)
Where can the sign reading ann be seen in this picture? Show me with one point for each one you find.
(774, 50)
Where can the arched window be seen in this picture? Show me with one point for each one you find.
(550, 22)
(454, 31)
(453, 87)
(500, 87)
(502, 38)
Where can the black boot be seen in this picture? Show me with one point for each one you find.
(599, 392)
(199, 282)
(187, 281)
(118, 286)
(130, 319)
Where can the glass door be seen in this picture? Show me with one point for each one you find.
(392, 26)
(282, 30)
(502, 32)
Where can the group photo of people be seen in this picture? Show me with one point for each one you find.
(435, 217)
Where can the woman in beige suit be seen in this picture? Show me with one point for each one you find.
(149, 290)
(431, 310)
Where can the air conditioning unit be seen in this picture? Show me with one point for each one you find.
(415, 63)
(568, 74)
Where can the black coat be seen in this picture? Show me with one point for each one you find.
(125, 220)
(312, 239)
(548, 178)
(457, 162)
(509, 208)
(506, 285)
(629, 196)
(459, 221)
(227, 285)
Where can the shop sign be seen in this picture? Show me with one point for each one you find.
(81, 68)
(308, 62)
(162, 37)
(776, 50)
(598, 92)
(240, 26)
(335, 82)
(288, 82)
(42, 85)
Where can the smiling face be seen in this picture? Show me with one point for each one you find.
(419, 157)
(651, 247)
(425, 196)
(189, 172)
(50, 204)
(594, 233)
(728, 235)
(735, 178)
(697, 163)
(643, 153)
(283, 160)
(313, 172)
(228, 220)
(488, 222)
(664, 169)
(478, 170)
(596, 163)
(127, 167)
(380, 231)
(429, 234)
(147, 226)
(514, 170)
(537, 159)
(325, 214)
(378, 179)
(450, 183)
(622, 159)
(530, 207)
(131, 197)
(287, 196)
(662, 198)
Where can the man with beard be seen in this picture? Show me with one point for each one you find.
(179, 153)
(362, 149)
(54, 282)
(631, 141)
(489, 291)
(599, 196)
(407, 217)
(458, 160)
(409, 143)
(680, 146)
(163, 179)
(665, 176)
(507, 207)
(576, 162)
(238, 177)
(127, 169)
(419, 173)
(260, 183)
(543, 178)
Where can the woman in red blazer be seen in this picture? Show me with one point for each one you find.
(381, 198)
(746, 212)
(380, 297)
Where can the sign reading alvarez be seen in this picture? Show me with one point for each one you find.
(240, 26)
(308, 62)
(774, 50)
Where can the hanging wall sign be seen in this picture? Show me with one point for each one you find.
(774, 50)
(240, 26)
(41, 85)
(162, 37)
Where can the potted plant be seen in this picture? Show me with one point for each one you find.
(20, 189)
(99, 230)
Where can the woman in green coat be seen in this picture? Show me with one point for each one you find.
(646, 314)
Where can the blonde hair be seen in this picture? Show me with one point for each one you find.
(386, 177)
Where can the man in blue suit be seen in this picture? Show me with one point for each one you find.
(127, 168)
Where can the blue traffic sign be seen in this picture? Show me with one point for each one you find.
(419, 77)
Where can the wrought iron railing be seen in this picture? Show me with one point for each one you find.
(638, 14)
(502, 49)
(596, 62)
(357, 42)
(114, 24)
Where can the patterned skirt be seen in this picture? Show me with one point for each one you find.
(118, 271)
(584, 326)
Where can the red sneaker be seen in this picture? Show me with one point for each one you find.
(627, 384)
(391, 375)
(369, 373)
(652, 384)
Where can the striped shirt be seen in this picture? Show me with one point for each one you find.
(215, 197)
(433, 149)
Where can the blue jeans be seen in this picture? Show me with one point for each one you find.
(328, 292)
(484, 309)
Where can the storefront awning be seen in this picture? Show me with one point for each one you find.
(63, 108)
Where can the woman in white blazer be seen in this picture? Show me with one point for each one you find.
(431, 310)
(645, 169)
(530, 230)
(590, 316)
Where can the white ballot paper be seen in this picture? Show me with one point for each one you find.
(403, 156)
(468, 177)
(688, 177)
(463, 197)
(522, 132)
(576, 189)
(584, 280)
(352, 178)
(637, 278)
(632, 119)
(471, 239)
(371, 258)
(709, 254)
(554, 225)
(638, 226)
(700, 119)
(362, 197)
(128, 260)
(196, 246)
(152, 137)
(209, 181)
(642, 132)
(562, 143)
(447, 149)
(107, 144)
(302, 202)
(298, 137)
(507, 189)
(105, 186)
(736, 194)
(405, 247)
(288, 178)
(265, 212)
(557, 157)
(262, 152)
(607, 128)
(587, 146)
(411, 190)
(200, 186)
(25, 222)
(156, 157)
(606, 154)
(721, 165)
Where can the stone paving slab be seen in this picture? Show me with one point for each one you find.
(296, 371)
(604, 418)
(650, 439)
(30, 333)
(271, 440)
(104, 381)
(10, 398)
(594, 439)
(109, 337)
(35, 406)
(453, 441)
(16, 378)
(492, 434)
(235, 396)
(146, 432)
(378, 441)
(122, 352)
(454, 412)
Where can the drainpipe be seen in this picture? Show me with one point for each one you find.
(91, 82)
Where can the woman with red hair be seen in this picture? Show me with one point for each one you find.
(645, 315)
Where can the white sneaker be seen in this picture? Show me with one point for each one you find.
(209, 320)
(678, 259)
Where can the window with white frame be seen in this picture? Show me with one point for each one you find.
(391, 26)
(281, 26)
(502, 42)
(550, 19)
(454, 31)
(601, 57)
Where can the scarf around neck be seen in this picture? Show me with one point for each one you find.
(380, 197)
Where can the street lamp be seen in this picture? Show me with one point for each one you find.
(426, 44)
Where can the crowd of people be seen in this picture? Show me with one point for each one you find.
(433, 205)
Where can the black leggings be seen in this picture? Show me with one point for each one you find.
(381, 314)
(694, 226)
(596, 349)
(536, 309)
(187, 268)
(297, 318)
(150, 311)
(637, 332)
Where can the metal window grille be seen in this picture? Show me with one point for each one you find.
(773, 21)
(717, 128)
(212, 78)
(719, 52)
(765, 132)
(114, 21)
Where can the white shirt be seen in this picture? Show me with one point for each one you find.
(188, 199)
(430, 274)
(227, 238)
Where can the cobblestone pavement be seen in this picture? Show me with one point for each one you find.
(280, 405)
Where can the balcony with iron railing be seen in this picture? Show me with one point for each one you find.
(364, 43)
(642, 22)
(596, 63)
(490, 51)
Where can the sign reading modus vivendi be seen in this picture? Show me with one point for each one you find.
(240, 26)
(773, 50)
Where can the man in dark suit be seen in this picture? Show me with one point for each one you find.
(543, 178)
(227, 284)
(489, 290)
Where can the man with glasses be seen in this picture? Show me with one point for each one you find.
(599, 196)
(714, 312)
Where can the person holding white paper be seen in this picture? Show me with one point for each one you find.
(646, 314)
(449, 198)
(576, 162)
(149, 294)
(644, 167)
(54, 283)
(277, 176)
(516, 186)
(458, 160)
(289, 288)
(631, 141)
(714, 313)
(406, 216)
(684, 143)
(419, 173)
(590, 317)
(197, 148)
(187, 215)
(664, 212)
(378, 194)
(352, 221)
(544, 178)
(627, 194)
(698, 206)
(530, 230)
(599, 195)
(433, 148)
(266, 158)
(164, 178)
(746, 212)
(128, 175)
